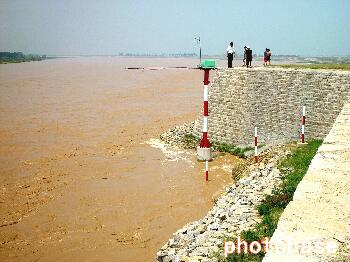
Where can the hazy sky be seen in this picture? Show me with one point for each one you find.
(62, 27)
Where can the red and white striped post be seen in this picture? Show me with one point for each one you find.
(205, 142)
(206, 170)
(303, 126)
(256, 145)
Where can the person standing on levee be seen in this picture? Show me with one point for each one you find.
(230, 54)
(249, 57)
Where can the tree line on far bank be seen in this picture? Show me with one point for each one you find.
(18, 57)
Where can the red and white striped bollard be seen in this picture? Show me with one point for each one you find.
(303, 127)
(205, 142)
(256, 145)
(206, 170)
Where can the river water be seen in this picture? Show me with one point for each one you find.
(83, 173)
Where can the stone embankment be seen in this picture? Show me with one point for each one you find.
(272, 99)
(175, 136)
(233, 212)
(320, 210)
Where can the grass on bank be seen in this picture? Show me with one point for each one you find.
(338, 66)
(192, 141)
(232, 149)
(294, 167)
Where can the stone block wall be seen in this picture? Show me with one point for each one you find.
(272, 99)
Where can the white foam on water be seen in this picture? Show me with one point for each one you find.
(171, 153)
(227, 168)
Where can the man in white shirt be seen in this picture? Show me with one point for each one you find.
(230, 53)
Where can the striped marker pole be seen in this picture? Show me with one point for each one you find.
(205, 142)
(256, 145)
(303, 127)
(206, 170)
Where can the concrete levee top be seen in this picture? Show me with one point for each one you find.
(317, 222)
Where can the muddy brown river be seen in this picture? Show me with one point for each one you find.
(83, 174)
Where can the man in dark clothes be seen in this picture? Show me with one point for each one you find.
(249, 57)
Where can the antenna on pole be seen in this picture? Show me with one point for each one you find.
(197, 40)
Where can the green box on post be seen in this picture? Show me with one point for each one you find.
(208, 64)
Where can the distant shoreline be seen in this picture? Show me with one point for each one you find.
(19, 57)
(15, 61)
(291, 61)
